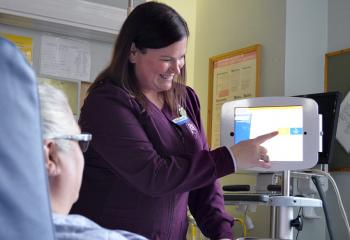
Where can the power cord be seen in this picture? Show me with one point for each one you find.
(300, 214)
(317, 183)
(240, 220)
(336, 190)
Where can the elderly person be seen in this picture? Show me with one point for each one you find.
(63, 147)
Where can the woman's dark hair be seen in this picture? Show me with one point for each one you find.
(150, 25)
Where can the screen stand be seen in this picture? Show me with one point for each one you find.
(285, 213)
(281, 207)
(286, 203)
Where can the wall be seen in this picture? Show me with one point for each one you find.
(305, 49)
(338, 25)
(228, 25)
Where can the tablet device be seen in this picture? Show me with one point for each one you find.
(296, 120)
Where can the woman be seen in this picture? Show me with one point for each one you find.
(149, 159)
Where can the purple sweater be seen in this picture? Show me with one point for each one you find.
(142, 170)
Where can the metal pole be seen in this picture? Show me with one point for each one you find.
(272, 222)
(286, 213)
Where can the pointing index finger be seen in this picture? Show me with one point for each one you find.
(262, 138)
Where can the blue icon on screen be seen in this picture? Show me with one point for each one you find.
(296, 131)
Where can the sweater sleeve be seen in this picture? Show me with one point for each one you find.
(207, 207)
(123, 137)
(207, 204)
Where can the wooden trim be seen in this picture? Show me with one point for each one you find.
(339, 169)
(340, 52)
(327, 56)
(325, 73)
(210, 99)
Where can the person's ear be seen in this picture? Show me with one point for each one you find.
(51, 158)
(132, 54)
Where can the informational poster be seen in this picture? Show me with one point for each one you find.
(343, 130)
(234, 75)
(24, 44)
(65, 58)
(68, 87)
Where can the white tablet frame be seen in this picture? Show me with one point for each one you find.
(310, 125)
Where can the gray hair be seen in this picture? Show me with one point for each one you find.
(56, 115)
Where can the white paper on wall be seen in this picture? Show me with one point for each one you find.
(65, 58)
(343, 130)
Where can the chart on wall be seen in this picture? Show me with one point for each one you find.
(68, 58)
(232, 76)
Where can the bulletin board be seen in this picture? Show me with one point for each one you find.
(70, 51)
(337, 78)
(233, 75)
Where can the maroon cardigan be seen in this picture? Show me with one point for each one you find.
(142, 170)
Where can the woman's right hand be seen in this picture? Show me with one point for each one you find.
(250, 154)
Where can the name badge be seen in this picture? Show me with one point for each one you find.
(181, 120)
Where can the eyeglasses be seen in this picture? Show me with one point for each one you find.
(83, 139)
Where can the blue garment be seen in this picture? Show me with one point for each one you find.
(78, 227)
(24, 203)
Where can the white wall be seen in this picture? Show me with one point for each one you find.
(306, 43)
(338, 25)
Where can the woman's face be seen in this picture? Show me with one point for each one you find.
(155, 69)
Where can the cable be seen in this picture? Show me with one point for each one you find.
(240, 220)
(247, 220)
(336, 190)
(302, 214)
(317, 183)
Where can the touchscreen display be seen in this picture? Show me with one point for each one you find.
(250, 122)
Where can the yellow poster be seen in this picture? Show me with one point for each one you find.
(68, 87)
(25, 44)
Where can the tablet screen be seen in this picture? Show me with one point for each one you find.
(250, 122)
